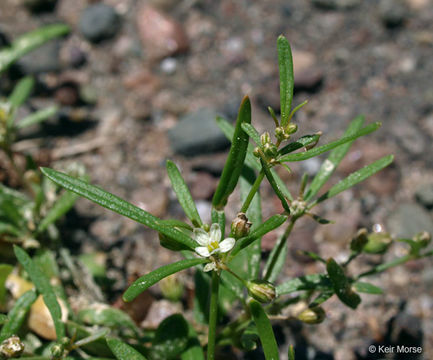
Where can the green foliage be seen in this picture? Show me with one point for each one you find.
(234, 259)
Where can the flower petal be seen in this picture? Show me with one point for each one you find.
(227, 244)
(202, 251)
(215, 233)
(201, 236)
(209, 267)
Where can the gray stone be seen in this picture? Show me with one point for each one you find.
(43, 59)
(197, 133)
(409, 219)
(336, 4)
(393, 13)
(99, 22)
(424, 195)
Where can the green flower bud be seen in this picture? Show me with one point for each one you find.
(270, 150)
(171, 287)
(240, 226)
(280, 134)
(377, 243)
(423, 238)
(314, 315)
(313, 144)
(265, 138)
(359, 240)
(291, 128)
(12, 347)
(261, 290)
(57, 351)
(256, 152)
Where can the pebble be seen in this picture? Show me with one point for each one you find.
(409, 219)
(411, 139)
(158, 311)
(424, 195)
(197, 133)
(169, 65)
(203, 186)
(393, 13)
(67, 94)
(160, 34)
(308, 75)
(99, 22)
(43, 59)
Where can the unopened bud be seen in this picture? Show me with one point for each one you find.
(261, 290)
(280, 134)
(12, 347)
(359, 240)
(240, 226)
(291, 128)
(314, 315)
(270, 150)
(57, 351)
(256, 152)
(265, 138)
(377, 243)
(423, 238)
(171, 287)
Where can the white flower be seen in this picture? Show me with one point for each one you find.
(210, 242)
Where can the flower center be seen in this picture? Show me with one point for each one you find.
(213, 245)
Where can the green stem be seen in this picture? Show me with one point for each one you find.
(253, 191)
(382, 267)
(280, 247)
(213, 314)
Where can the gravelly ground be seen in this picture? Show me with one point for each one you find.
(350, 63)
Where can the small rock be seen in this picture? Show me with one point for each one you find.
(40, 5)
(393, 13)
(73, 56)
(308, 76)
(424, 195)
(410, 138)
(67, 94)
(160, 34)
(158, 311)
(152, 199)
(43, 59)
(169, 65)
(99, 22)
(409, 219)
(336, 4)
(203, 186)
(406, 330)
(197, 133)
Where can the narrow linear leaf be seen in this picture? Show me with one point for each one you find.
(357, 176)
(275, 186)
(99, 334)
(183, 194)
(335, 157)
(235, 160)
(300, 143)
(104, 315)
(307, 282)
(321, 298)
(123, 351)
(365, 287)
(285, 67)
(252, 162)
(116, 204)
(37, 117)
(277, 259)
(5, 270)
(22, 91)
(341, 284)
(18, 314)
(43, 286)
(146, 281)
(30, 41)
(332, 145)
(229, 130)
(219, 217)
(264, 328)
(62, 205)
(252, 132)
(270, 224)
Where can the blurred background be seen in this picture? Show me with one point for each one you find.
(140, 81)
